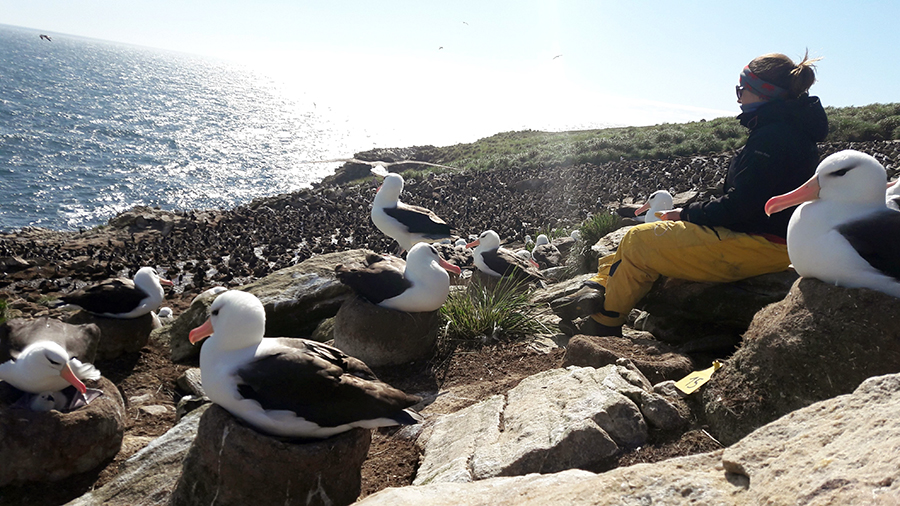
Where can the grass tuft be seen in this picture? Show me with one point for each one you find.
(481, 315)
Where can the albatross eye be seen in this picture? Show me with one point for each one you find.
(215, 312)
(54, 362)
(841, 172)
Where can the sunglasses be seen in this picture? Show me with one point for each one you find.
(739, 90)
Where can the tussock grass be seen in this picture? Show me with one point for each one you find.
(480, 315)
(3, 315)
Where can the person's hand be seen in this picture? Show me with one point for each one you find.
(670, 215)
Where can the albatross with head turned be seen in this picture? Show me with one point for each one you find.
(404, 223)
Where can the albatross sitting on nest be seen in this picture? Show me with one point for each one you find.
(842, 232)
(289, 387)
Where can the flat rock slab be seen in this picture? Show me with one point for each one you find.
(555, 420)
(839, 451)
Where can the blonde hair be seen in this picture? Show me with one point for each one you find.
(781, 71)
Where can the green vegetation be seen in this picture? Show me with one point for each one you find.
(529, 149)
(480, 314)
(3, 315)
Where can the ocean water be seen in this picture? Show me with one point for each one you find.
(89, 129)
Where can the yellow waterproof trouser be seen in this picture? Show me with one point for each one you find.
(682, 250)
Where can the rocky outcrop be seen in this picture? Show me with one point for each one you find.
(298, 298)
(821, 341)
(232, 464)
(176, 334)
(577, 417)
(833, 452)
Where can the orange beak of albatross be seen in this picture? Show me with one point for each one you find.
(67, 374)
(641, 209)
(166, 282)
(474, 243)
(808, 191)
(201, 332)
(449, 267)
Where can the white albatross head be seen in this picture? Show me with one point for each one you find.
(45, 366)
(237, 320)
(488, 240)
(424, 256)
(847, 176)
(390, 190)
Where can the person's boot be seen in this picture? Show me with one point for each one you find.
(584, 302)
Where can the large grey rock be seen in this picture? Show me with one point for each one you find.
(118, 336)
(232, 464)
(555, 420)
(834, 452)
(380, 336)
(149, 476)
(819, 342)
(842, 451)
(50, 445)
(545, 295)
(299, 297)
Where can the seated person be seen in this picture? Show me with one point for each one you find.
(730, 237)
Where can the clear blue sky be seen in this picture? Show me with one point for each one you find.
(509, 64)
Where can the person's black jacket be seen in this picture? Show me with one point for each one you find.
(780, 155)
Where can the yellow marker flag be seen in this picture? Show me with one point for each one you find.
(690, 383)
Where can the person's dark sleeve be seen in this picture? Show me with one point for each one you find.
(758, 173)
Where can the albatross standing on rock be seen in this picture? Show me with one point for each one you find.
(419, 286)
(843, 233)
(122, 298)
(289, 387)
(404, 223)
(495, 261)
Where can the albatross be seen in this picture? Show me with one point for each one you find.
(421, 284)
(404, 223)
(287, 386)
(45, 366)
(843, 233)
(660, 200)
(122, 298)
(495, 261)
